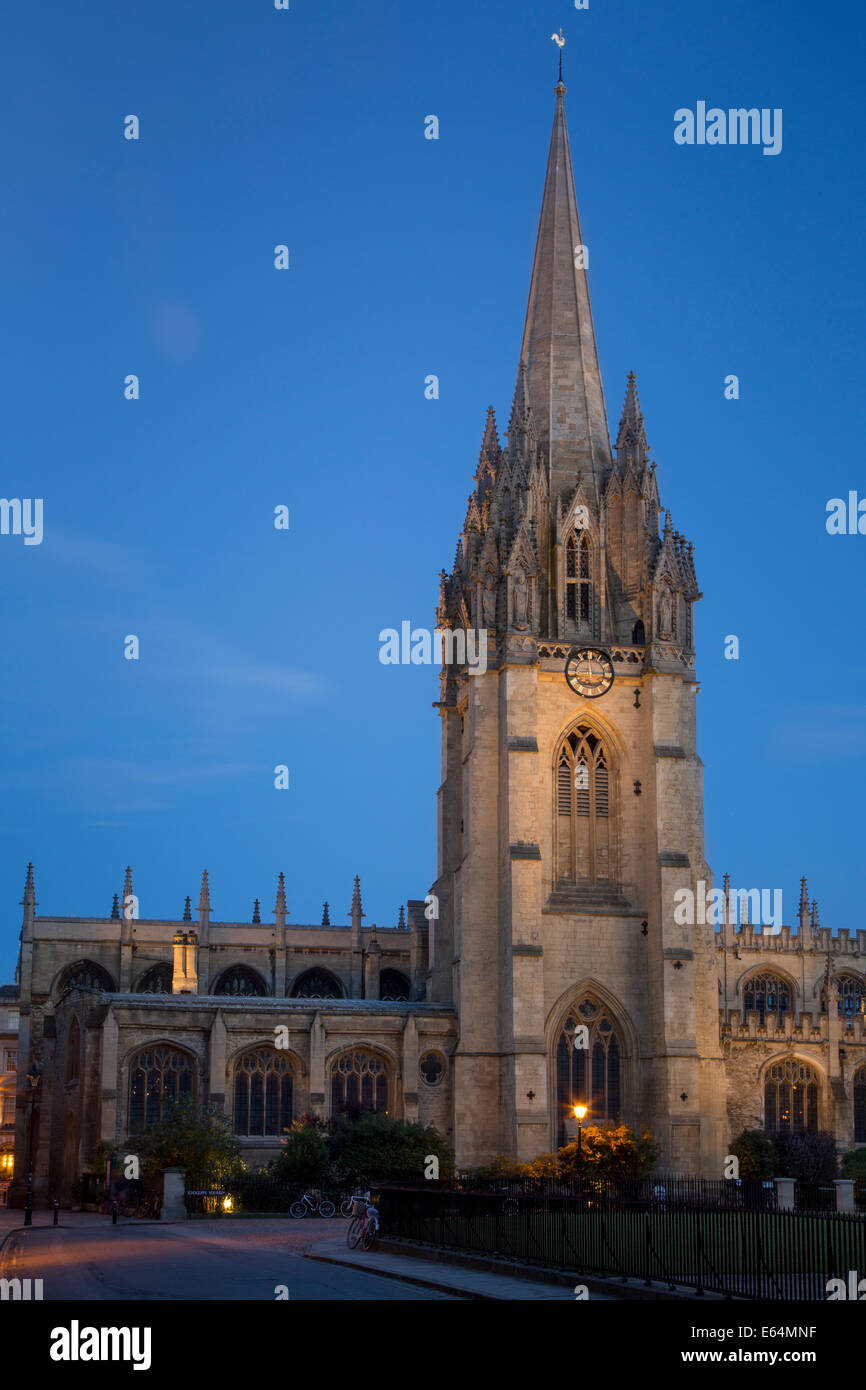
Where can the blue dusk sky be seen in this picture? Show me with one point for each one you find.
(305, 388)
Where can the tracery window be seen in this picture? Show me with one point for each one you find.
(768, 996)
(264, 1092)
(852, 998)
(241, 980)
(393, 986)
(359, 1081)
(85, 974)
(588, 1066)
(156, 980)
(578, 581)
(790, 1097)
(157, 1076)
(583, 834)
(316, 984)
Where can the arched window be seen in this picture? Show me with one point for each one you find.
(768, 996)
(359, 1081)
(852, 998)
(578, 580)
(85, 974)
(157, 1076)
(583, 785)
(638, 634)
(241, 980)
(316, 984)
(156, 980)
(790, 1097)
(263, 1092)
(393, 985)
(859, 1089)
(588, 1071)
(73, 1051)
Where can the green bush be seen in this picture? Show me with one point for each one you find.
(609, 1152)
(303, 1158)
(755, 1153)
(854, 1164)
(808, 1156)
(196, 1138)
(378, 1148)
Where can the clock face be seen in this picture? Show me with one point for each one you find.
(589, 672)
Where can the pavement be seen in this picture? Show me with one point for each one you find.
(220, 1258)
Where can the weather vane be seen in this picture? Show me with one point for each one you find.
(560, 43)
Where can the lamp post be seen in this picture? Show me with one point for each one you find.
(579, 1113)
(34, 1080)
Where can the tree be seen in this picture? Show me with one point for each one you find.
(854, 1164)
(303, 1158)
(609, 1151)
(196, 1138)
(807, 1155)
(755, 1154)
(379, 1148)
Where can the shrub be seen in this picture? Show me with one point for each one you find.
(610, 1151)
(854, 1164)
(379, 1148)
(755, 1153)
(196, 1138)
(303, 1158)
(808, 1155)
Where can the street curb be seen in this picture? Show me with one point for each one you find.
(403, 1278)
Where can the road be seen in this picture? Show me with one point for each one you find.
(142, 1261)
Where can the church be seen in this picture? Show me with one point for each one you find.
(550, 962)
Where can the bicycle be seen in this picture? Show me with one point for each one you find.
(347, 1204)
(364, 1227)
(312, 1204)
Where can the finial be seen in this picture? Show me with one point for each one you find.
(560, 43)
(356, 899)
(804, 892)
(187, 909)
(816, 921)
(326, 916)
(401, 920)
(204, 899)
(257, 916)
(115, 909)
(127, 882)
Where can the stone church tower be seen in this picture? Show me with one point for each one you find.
(567, 823)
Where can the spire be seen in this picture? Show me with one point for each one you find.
(204, 897)
(115, 909)
(257, 915)
(326, 916)
(816, 921)
(127, 884)
(401, 921)
(28, 902)
(565, 390)
(187, 909)
(804, 907)
(631, 445)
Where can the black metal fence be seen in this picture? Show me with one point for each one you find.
(631, 1234)
(249, 1194)
(662, 1192)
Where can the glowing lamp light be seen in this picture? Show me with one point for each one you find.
(227, 1203)
(580, 1111)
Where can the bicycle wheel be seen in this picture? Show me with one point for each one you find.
(298, 1209)
(327, 1208)
(346, 1206)
(353, 1235)
(371, 1230)
(509, 1206)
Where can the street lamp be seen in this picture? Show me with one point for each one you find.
(579, 1113)
(34, 1080)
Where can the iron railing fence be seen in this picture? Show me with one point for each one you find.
(739, 1252)
(661, 1191)
(814, 1196)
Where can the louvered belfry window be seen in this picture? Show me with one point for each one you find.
(577, 579)
(583, 810)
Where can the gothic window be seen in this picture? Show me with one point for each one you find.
(852, 998)
(393, 985)
(316, 984)
(264, 1086)
(73, 1051)
(638, 635)
(156, 980)
(578, 583)
(241, 980)
(431, 1068)
(588, 1073)
(859, 1089)
(157, 1077)
(583, 797)
(790, 1097)
(359, 1081)
(85, 974)
(767, 996)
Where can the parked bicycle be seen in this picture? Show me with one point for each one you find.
(364, 1227)
(347, 1204)
(312, 1204)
